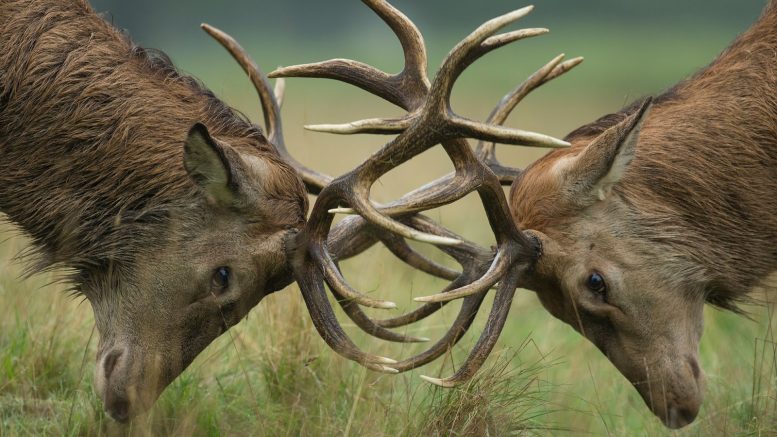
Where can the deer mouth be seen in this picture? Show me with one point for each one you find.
(677, 397)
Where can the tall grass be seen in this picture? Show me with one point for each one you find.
(272, 375)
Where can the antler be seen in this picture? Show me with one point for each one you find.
(487, 152)
(271, 108)
(429, 121)
(356, 235)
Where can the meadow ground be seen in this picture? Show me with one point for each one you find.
(272, 374)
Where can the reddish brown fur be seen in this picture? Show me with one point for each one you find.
(704, 179)
(691, 218)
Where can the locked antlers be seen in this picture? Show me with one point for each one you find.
(429, 121)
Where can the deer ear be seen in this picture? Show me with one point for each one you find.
(603, 162)
(212, 166)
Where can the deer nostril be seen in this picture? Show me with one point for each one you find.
(694, 365)
(119, 411)
(109, 363)
(679, 417)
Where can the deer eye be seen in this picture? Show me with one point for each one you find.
(220, 280)
(595, 283)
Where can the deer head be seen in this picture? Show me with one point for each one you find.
(156, 318)
(598, 275)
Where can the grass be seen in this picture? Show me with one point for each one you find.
(273, 375)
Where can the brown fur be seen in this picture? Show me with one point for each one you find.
(91, 131)
(92, 134)
(692, 219)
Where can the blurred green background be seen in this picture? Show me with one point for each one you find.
(631, 49)
(272, 375)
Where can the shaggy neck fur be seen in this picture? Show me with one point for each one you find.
(91, 135)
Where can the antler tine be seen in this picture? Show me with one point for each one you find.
(469, 255)
(474, 261)
(310, 279)
(474, 46)
(500, 265)
(337, 283)
(488, 338)
(506, 105)
(355, 73)
(405, 89)
(487, 151)
(271, 107)
(459, 327)
(382, 126)
(469, 50)
(399, 247)
(354, 312)
(409, 37)
(279, 91)
(497, 41)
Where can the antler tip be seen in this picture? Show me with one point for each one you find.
(390, 370)
(522, 12)
(385, 360)
(209, 29)
(435, 239)
(576, 60)
(437, 381)
(342, 129)
(278, 72)
(439, 297)
(387, 305)
(346, 211)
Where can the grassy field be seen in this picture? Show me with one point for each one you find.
(273, 375)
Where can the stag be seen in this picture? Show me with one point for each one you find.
(175, 216)
(171, 230)
(651, 213)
